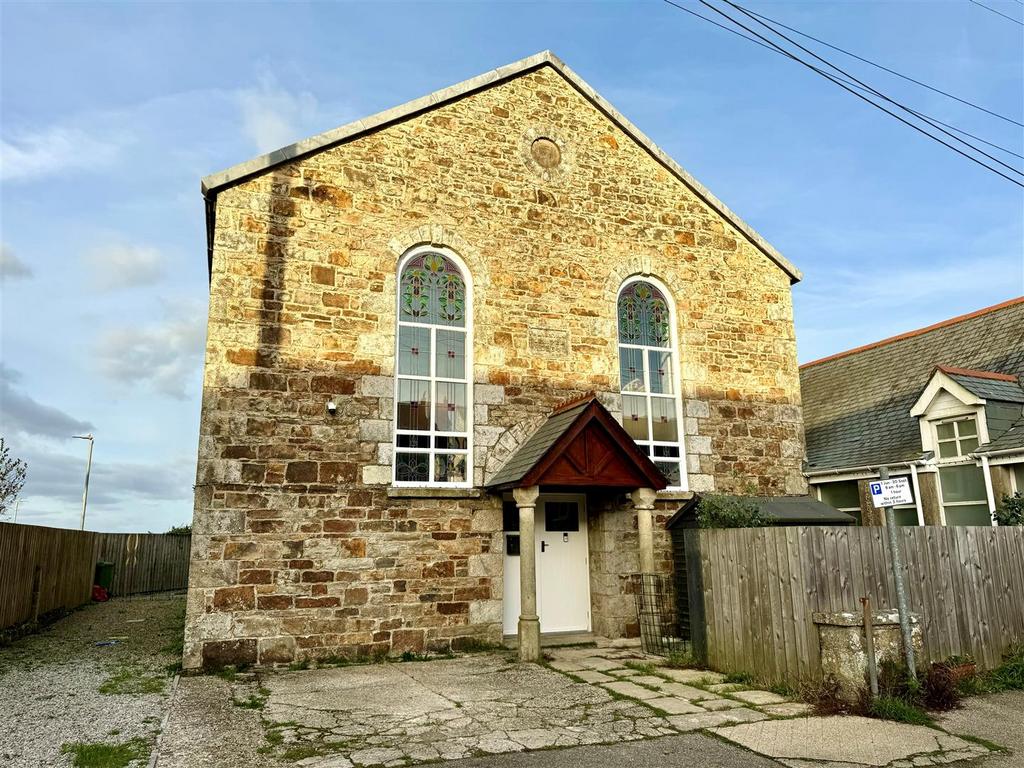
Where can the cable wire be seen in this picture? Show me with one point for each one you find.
(997, 13)
(858, 95)
(886, 69)
(848, 82)
(874, 91)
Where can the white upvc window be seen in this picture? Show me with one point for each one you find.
(433, 371)
(962, 491)
(649, 376)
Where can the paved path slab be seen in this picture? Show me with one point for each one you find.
(845, 739)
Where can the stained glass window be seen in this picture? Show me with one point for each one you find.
(432, 291)
(651, 406)
(644, 316)
(433, 414)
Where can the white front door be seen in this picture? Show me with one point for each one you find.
(563, 571)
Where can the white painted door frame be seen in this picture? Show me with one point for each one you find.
(548, 576)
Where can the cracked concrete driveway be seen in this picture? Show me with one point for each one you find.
(445, 709)
(491, 711)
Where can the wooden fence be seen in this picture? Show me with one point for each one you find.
(49, 569)
(761, 587)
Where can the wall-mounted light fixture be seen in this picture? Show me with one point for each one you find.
(332, 407)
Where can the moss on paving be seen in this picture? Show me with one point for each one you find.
(105, 754)
(132, 680)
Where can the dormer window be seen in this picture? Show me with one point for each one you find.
(956, 438)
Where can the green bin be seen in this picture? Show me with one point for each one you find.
(104, 574)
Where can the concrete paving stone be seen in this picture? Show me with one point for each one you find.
(718, 704)
(624, 672)
(592, 676)
(699, 720)
(674, 706)
(601, 665)
(744, 715)
(845, 739)
(726, 687)
(632, 690)
(651, 680)
(567, 666)
(687, 691)
(692, 676)
(376, 756)
(787, 709)
(759, 697)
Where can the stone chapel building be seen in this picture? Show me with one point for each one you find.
(495, 315)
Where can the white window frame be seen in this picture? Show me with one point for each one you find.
(433, 379)
(674, 350)
(961, 459)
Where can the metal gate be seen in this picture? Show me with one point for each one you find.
(662, 629)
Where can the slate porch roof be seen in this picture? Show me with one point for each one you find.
(241, 172)
(556, 433)
(857, 404)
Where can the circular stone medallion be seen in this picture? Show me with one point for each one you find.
(546, 153)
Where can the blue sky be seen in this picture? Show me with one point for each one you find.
(111, 113)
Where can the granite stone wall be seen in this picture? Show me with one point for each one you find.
(301, 549)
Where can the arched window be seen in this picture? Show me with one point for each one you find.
(648, 373)
(433, 366)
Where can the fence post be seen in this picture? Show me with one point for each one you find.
(695, 594)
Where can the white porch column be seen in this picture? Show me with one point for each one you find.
(529, 621)
(643, 502)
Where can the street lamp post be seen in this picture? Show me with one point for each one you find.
(88, 468)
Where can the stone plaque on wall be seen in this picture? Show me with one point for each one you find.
(553, 344)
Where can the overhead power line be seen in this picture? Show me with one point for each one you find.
(998, 13)
(851, 83)
(851, 90)
(874, 91)
(886, 69)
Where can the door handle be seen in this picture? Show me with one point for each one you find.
(543, 546)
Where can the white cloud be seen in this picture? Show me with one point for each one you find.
(121, 265)
(273, 117)
(11, 267)
(53, 150)
(167, 357)
(22, 414)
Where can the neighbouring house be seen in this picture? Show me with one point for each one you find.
(943, 405)
(465, 358)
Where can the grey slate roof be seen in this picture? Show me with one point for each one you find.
(537, 445)
(236, 174)
(990, 389)
(802, 510)
(857, 404)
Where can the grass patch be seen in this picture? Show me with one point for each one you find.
(642, 668)
(1008, 676)
(229, 673)
(900, 710)
(295, 666)
(257, 700)
(106, 755)
(132, 680)
(681, 660)
(739, 678)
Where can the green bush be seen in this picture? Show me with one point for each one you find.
(715, 511)
(180, 530)
(1011, 510)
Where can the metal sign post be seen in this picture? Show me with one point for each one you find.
(885, 494)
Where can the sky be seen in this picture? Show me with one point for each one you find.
(111, 113)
